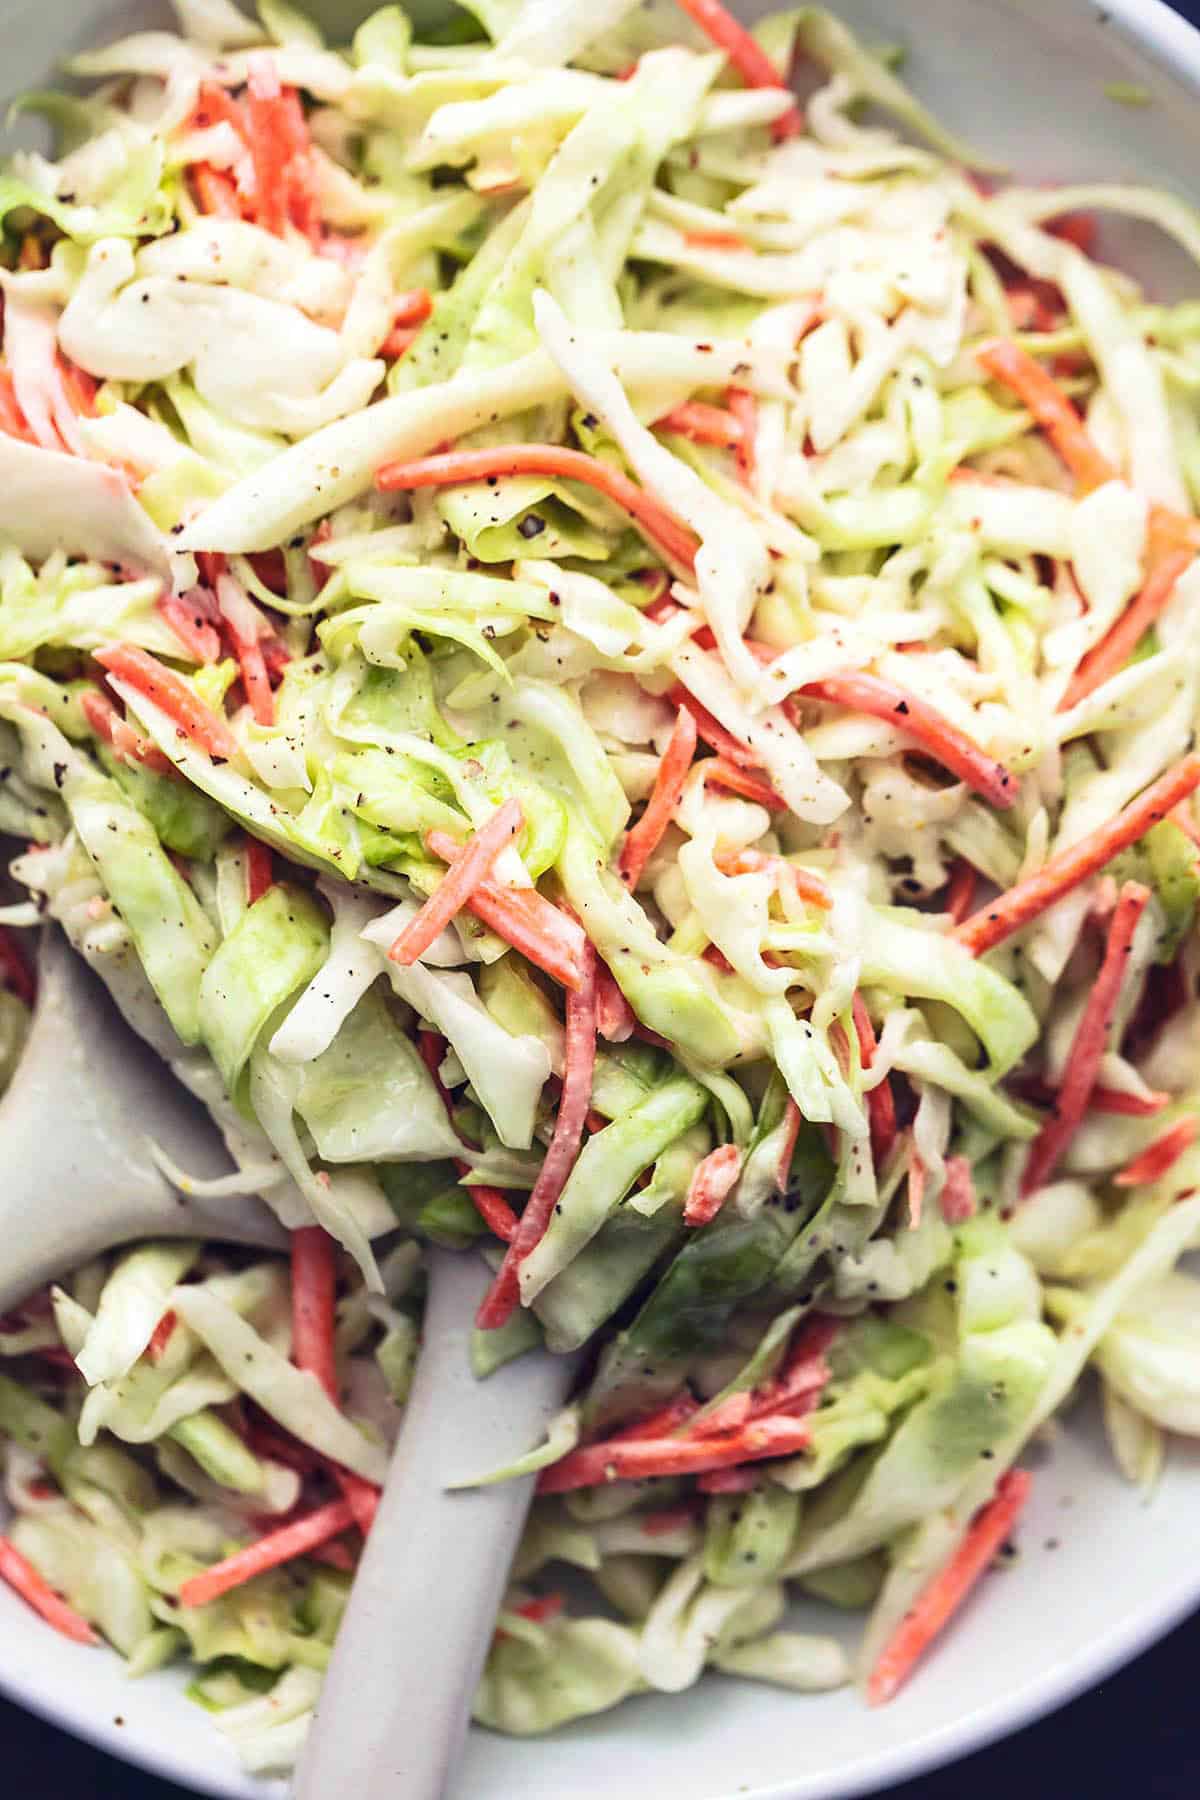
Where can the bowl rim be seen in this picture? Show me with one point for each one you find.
(1174, 42)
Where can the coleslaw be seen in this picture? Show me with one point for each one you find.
(605, 661)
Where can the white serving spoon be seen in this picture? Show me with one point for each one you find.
(76, 1174)
(393, 1713)
(77, 1178)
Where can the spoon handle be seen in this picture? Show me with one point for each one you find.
(394, 1709)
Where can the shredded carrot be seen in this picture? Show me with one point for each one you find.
(161, 1336)
(1078, 228)
(1109, 656)
(805, 1372)
(80, 387)
(793, 1118)
(644, 838)
(579, 1062)
(748, 58)
(1158, 1157)
(260, 870)
(173, 695)
(277, 1547)
(216, 193)
(744, 408)
(413, 307)
(743, 781)
(957, 1198)
(615, 1018)
(703, 424)
(881, 1107)
(129, 745)
(1016, 369)
(662, 1423)
(314, 1288)
(713, 732)
(314, 1298)
(636, 1459)
(960, 890)
(270, 148)
(1028, 308)
(454, 467)
(193, 618)
(543, 933)
(335, 1555)
(988, 1532)
(1104, 1100)
(714, 240)
(492, 1208)
(543, 1609)
(711, 1185)
(1089, 1043)
(898, 706)
(24, 1580)
(12, 420)
(398, 341)
(464, 875)
(1064, 871)
(728, 1481)
(747, 862)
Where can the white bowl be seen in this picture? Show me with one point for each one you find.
(1100, 1575)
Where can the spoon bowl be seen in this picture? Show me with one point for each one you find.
(76, 1125)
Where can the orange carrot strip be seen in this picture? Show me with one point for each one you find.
(944, 1595)
(24, 1580)
(464, 875)
(703, 424)
(12, 419)
(1109, 656)
(277, 1547)
(662, 1423)
(314, 1287)
(960, 891)
(544, 934)
(615, 1018)
(412, 308)
(793, 1119)
(636, 1459)
(457, 466)
(957, 1198)
(579, 1062)
(1016, 369)
(1078, 228)
(172, 693)
(713, 732)
(1158, 1157)
(744, 408)
(161, 1336)
(1030, 898)
(492, 1208)
(128, 744)
(715, 240)
(216, 193)
(743, 781)
(189, 619)
(1088, 1044)
(809, 886)
(728, 1481)
(644, 838)
(881, 1107)
(748, 58)
(951, 747)
(711, 1185)
(314, 1294)
(260, 877)
(269, 147)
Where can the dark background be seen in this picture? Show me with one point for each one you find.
(1132, 1738)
